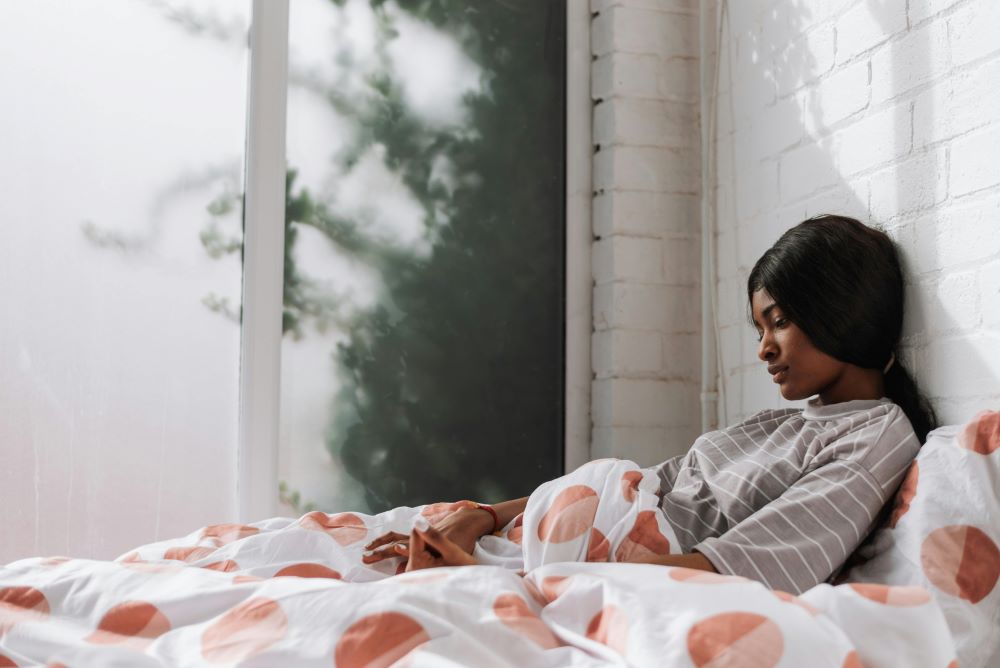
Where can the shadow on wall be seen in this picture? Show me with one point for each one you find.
(824, 124)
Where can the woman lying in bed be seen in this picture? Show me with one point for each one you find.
(785, 496)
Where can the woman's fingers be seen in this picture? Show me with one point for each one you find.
(390, 537)
(384, 552)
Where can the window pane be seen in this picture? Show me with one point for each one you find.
(122, 129)
(423, 350)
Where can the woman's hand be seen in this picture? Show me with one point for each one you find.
(431, 549)
(461, 528)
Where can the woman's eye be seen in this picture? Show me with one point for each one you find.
(780, 322)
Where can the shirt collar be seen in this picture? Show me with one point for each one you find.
(816, 410)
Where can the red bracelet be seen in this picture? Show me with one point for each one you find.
(490, 510)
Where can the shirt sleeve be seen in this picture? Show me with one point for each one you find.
(800, 538)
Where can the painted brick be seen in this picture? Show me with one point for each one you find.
(842, 94)
(622, 352)
(625, 258)
(955, 106)
(867, 25)
(847, 199)
(628, 30)
(973, 31)
(681, 260)
(917, 183)
(919, 57)
(874, 140)
(775, 128)
(646, 446)
(628, 402)
(920, 10)
(681, 357)
(645, 213)
(753, 82)
(757, 189)
(645, 76)
(647, 168)
(663, 308)
(757, 390)
(807, 170)
(806, 59)
(658, 5)
(731, 346)
(956, 303)
(974, 162)
(731, 301)
(957, 236)
(962, 366)
(989, 293)
(646, 122)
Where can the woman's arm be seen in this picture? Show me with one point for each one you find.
(694, 560)
(463, 527)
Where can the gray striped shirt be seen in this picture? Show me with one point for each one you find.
(787, 495)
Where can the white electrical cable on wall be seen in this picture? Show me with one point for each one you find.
(711, 353)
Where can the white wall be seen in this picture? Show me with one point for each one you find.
(646, 340)
(883, 110)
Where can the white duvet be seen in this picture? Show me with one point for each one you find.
(285, 592)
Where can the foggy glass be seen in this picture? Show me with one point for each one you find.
(122, 133)
(423, 357)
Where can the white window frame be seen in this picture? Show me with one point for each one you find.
(263, 254)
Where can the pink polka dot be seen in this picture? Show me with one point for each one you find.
(187, 554)
(598, 549)
(516, 532)
(52, 562)
(245, 579)
(795, 600)
(570, 516)
(740, 639)
(21, 604)
(223, 534)
(378, 641)
(907, 490)
(132, 624)
(900, 597)
(554, 586)
(345, 528)
(225, 566)
(308, 570)
(535, 593)
(962, 561)
(610, 627)
(852, 660)
(516, 615)
(644, 541)
(695, 576)
(630, 485)
(244, 631)
(982, 434)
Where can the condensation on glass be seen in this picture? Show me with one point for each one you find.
(122, 131)
(422, 356)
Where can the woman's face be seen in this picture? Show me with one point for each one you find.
(799, 368)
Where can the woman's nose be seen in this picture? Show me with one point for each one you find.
(767, 349)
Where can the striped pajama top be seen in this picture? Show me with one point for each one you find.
(787, 495)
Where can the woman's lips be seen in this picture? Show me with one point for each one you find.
(780, 376)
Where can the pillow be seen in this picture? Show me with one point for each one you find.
(943, 535)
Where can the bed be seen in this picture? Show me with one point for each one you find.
(294, 592)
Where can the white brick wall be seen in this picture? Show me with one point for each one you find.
(888, 111)
(646, 252)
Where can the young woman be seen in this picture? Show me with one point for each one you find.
(785, 496)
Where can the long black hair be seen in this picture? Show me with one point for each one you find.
(841, 283)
